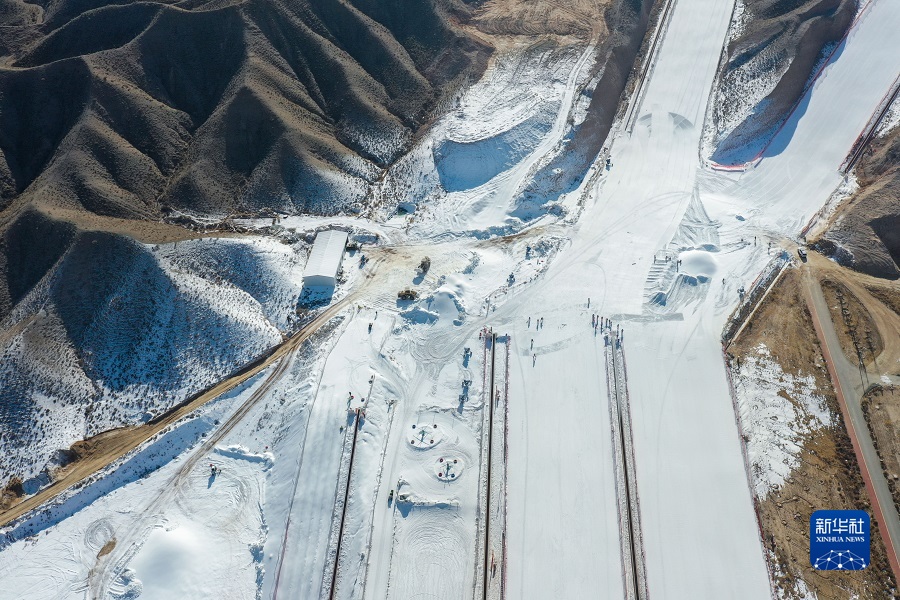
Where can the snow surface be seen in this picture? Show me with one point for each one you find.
(469, 171)
(603, 252)
(84, 520)
(189, 315)
(800, 168)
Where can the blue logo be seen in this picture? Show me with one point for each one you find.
(839, 540)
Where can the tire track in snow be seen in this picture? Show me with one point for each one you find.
(107, 570)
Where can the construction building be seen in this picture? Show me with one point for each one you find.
(325, 259)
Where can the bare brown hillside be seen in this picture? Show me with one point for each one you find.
(127, 109)
(864, 232)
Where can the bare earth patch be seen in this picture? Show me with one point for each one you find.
(581, 18)
(107, 548)
(856, 330)
(881, 407)
(823, 470)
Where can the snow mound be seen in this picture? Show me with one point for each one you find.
(169, 563)
(684, 290)
(448, 468)
(411, 498)
(241, 453)
(419, 315)
(698, 263)
(127, 586)
(445, 304)
(470, 164)
(687, 264)
(425, 435)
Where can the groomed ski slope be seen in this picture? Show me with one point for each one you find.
(266, 525)
(698, 522)
(563, 528)
(799, 170)
(699, 529)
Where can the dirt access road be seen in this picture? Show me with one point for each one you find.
(849, 388)
(109, 446)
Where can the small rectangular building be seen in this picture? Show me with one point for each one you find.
(325, 259)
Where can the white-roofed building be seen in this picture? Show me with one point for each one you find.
(325, 259)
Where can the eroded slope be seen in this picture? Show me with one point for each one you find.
(126, 109)
(773, 49)
(864, 232)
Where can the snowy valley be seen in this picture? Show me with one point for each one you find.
(553, 412)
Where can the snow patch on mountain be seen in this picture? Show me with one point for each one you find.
(173, 320)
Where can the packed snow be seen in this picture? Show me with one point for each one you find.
(467, 174)
(658, 243)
